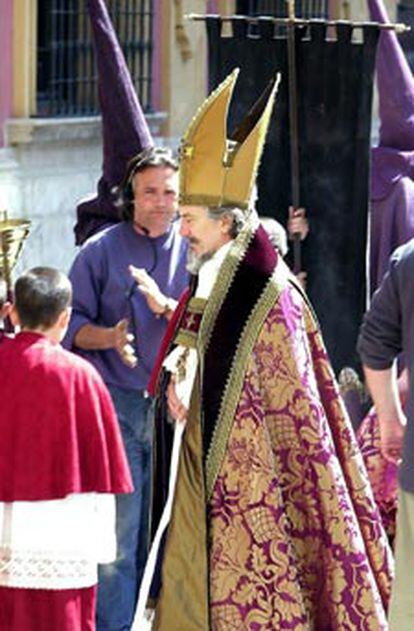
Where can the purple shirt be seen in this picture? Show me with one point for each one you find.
(104, 292)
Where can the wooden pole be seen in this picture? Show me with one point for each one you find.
(293, 128)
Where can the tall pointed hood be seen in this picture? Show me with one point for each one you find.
(395, 87)
(392, 162)
(125, 130)
(394, 157)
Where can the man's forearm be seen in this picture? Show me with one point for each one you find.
(383, 388)
(92, 338)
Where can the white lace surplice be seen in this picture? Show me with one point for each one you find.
(56, 544)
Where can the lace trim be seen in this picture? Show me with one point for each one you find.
(41, 570)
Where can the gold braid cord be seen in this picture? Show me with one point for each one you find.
(181, 36)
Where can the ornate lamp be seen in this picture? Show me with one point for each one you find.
(13, 233)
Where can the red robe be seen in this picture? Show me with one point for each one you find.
(59, 435)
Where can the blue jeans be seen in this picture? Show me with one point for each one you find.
(119, 582)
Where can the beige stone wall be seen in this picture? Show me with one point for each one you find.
(186, 59)
(184, 83)
(24, 80)
(358, 9)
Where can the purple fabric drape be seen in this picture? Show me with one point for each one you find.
(392, 186)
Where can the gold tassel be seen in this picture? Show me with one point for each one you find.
(346, 10)
(180, 32)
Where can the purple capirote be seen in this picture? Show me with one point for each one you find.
(395, 86)
(104, 292)
(124, 128)
(392, 165)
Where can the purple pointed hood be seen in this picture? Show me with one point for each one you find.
(393, 158)
(124, 128)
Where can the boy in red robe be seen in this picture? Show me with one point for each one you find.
(61, 462)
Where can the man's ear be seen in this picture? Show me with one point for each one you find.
(226, 224)
(14, 316)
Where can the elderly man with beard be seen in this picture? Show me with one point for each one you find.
(271, 520)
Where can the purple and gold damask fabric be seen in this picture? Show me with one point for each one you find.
(295, 538)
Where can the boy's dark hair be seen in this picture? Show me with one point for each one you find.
(153, 157)
(3, 292)
(40, 296)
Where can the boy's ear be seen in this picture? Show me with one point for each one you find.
(64, 317)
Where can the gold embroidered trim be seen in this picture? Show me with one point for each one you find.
(196, 305)
(186, 338)
(235, 379)
(294, 281)
(185, 335)
(182, 365)
(221, 286)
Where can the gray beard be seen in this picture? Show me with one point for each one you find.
(194, 262)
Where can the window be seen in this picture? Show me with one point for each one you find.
(66, 73)
(278, 8)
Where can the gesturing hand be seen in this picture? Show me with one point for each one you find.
(122, 343)
(392, 436)
(157, 301)
(297, 223)
(176, 409)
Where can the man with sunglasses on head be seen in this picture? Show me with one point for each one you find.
(118, 327)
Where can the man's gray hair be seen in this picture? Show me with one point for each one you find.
(276, 233)
(237, 215)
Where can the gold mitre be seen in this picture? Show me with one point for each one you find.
(217, 171)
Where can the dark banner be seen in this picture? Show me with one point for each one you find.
(334, 88)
